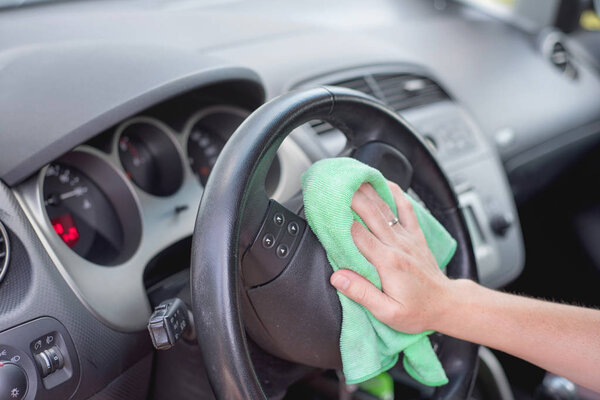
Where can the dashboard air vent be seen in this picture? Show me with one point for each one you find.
(398, 91)
(4, 251)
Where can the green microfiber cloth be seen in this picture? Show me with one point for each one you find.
(368, 346)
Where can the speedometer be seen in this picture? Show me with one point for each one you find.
(81, 214)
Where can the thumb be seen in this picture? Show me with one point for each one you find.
(359, 289)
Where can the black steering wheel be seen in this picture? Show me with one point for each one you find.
(257, 268)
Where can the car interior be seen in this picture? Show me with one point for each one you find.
(153, 241)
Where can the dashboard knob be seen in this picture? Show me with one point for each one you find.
(49, 361)
(500, 223)
(13, 382)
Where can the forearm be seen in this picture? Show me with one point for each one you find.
(559, 338)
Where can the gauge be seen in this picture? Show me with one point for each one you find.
(208, 137)
(210, 130)
(150, 158)
(91, 208)
(81, 214)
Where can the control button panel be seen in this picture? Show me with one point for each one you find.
(52, 358)
(447, 131)
(38, 361)
(274, 246)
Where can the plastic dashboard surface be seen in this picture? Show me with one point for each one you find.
(495, 70)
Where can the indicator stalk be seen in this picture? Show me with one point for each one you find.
(168, 323)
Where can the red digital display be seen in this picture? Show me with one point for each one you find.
(64, 226)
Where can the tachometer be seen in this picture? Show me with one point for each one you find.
(210, 131)
(81, 214)
(204, 147)
(150, 158)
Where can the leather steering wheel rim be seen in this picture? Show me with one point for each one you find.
(233, 206)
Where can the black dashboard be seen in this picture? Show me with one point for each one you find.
(113, 114)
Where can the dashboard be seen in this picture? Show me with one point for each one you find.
(112, 124)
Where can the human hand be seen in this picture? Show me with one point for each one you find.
(413, 286)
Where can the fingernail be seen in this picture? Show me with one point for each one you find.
(340, 282)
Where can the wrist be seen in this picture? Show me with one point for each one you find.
(454, 304)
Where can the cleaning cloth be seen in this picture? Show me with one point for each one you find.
(368, 346)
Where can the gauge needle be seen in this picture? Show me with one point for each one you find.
(78, 191)
(126, 145)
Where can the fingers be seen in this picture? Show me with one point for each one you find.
(371, 214)
(370, 247)
(404, 207)
(378, 201)
(359, 289)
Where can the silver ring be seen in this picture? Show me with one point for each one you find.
(393, 222)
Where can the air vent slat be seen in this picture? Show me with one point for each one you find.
(410, 86)
(423, 96)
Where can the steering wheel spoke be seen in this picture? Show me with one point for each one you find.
(274, 246)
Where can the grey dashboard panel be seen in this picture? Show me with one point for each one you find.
(55, 96)
(496, 71)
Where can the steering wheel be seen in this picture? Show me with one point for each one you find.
(257, 268)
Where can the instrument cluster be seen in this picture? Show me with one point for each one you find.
(97, 202)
